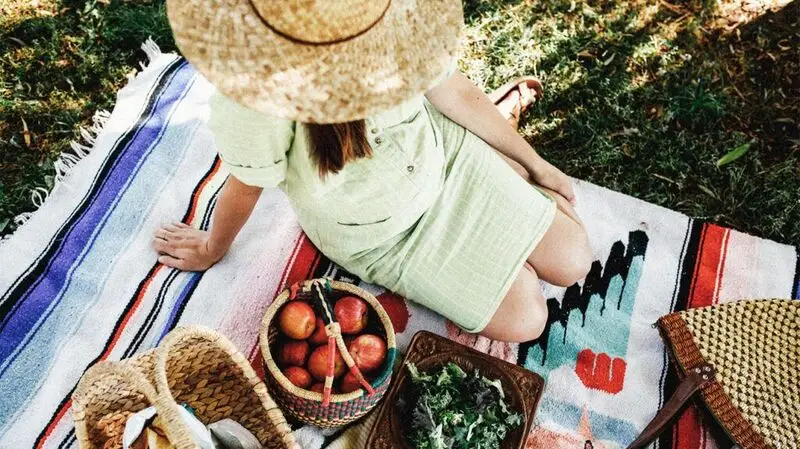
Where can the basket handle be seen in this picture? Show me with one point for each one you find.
(321, 302)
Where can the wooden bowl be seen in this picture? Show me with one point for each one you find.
(429, 351)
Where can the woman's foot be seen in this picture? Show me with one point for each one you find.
(514, 98)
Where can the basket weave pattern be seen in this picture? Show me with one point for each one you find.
(305, 405)
(755, 348)
(201, 368)
(108, 392)
(193, 365)
(335, 414)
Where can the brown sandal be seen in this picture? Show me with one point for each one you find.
(497, 95)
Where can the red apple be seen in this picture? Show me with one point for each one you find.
(368, 351)
(297, 320)
(319, 337)
(352, 314)
(318, 363)
(293, 353)
(350, 383)
(298, 376)
(318, 387)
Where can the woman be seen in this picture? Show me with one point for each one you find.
(399, 168)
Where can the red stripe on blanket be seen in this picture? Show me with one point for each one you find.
(140, 293)
(139, 297)
(307, 260)
(707, 272)
(302, 263)
(689, 432)
(200, 188)
(59, 415)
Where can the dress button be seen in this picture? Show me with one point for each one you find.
(374, 130)
(410, 169)
(378, 140)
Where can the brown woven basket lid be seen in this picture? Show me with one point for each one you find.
(319, 61)
(755, 348)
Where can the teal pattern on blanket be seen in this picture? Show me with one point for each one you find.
(605, 301)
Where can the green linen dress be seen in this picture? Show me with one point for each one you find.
(435, 215)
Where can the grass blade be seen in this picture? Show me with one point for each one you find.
(734, 154)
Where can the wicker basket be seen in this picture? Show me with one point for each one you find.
(310, 407)
(199, 367)
(108, 393)
(193, 365)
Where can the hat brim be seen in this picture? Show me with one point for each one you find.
(403, 55)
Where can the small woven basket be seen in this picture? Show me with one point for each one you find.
(310, 407)
(201, 368)
(193, 365)
(109, 393)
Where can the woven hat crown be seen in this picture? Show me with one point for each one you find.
(320, 21)
(319, 61)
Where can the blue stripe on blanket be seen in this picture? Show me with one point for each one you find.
(65, 289)
(12, 298)
(142, 338)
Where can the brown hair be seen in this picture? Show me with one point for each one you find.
(334, 145)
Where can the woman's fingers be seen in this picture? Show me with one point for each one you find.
(163, 246)
(172, 261)
(176, 228)
(163, 234)
(183, 247)
(567, 191)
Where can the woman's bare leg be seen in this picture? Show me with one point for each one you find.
(522, 314)
(562, 257)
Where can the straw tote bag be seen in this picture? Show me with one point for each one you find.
(743, 359)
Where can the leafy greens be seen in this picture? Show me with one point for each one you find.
(456, 410)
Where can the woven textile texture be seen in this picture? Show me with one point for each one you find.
(80, 283)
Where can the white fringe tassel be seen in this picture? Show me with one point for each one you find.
(80, 149)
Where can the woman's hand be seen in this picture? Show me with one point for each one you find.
(462, 102)
(185, 248)
(546, 175)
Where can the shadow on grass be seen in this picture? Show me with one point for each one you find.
(58, 65)
(645, 98)
(641, 97)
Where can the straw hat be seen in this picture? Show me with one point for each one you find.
(322, 61)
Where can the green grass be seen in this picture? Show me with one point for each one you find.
(641, 97)
(60, 62)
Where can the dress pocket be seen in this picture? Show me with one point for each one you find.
(367, 223)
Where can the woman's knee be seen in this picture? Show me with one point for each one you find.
(576, 263)
(563, 256)
(522, 314)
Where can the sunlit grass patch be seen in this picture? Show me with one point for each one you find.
(641, 96)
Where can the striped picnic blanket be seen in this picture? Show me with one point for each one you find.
(80, 282)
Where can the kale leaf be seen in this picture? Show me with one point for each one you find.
(453, 409)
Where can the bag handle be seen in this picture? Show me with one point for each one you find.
(323, 305)
(696, 378)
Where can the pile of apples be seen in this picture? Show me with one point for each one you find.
(303, 352)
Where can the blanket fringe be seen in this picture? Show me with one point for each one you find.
(79, 148)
